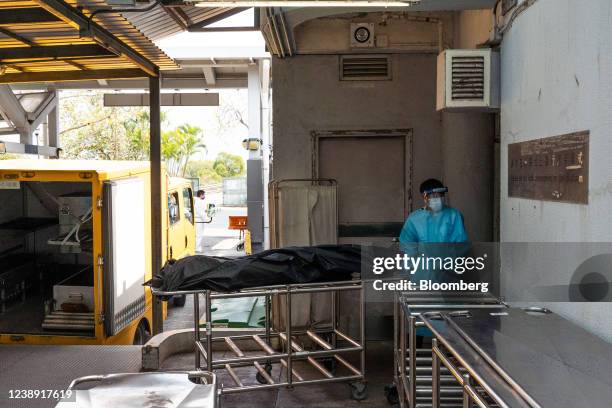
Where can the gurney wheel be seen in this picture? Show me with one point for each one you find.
(359, 391)
(260, 379)
(391, 394)
(240, 246)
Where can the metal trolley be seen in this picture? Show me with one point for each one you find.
(413, 371)
(329, 348)
(519, 358)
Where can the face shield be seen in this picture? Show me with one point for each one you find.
(436, 198)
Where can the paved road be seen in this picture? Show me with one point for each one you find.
(218, 241)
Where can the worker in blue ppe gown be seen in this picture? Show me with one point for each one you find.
(435, 230)
(435, 222)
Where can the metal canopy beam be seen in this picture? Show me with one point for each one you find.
(167, 99)
(12, 110)
(88, 28)
(218, 17)
(26, 148)
(176, 17)
(55, 51)
(76, 75)
(15, 36)
(221, 29)
(209, 75)
(41, 112)
(25, 122)
(26, 16)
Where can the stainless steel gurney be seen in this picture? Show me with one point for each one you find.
(520, 358)
(412, 371)
(327, 354)
(158, 389)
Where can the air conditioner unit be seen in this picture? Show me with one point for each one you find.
(362, 35)
(468, 80)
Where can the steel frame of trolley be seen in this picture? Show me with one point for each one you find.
(414, 368)
(332, 343)
(482, 385)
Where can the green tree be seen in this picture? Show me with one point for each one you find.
(179, 145)
(229, 165)
(204, 171)
(92, 131)
(191, 143)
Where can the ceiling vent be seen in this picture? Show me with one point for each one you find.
(468, 80)
(365, 67)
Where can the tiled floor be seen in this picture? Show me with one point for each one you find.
(30, 367)
(379, 363)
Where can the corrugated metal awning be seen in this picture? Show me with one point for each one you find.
(52, 40)
(162, 22)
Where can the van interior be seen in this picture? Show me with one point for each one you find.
(46, 259)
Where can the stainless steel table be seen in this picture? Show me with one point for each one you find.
(521, 358)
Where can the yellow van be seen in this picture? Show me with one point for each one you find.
(75, 249)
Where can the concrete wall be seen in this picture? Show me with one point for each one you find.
(394, 32)
(309, 96)
(468, 141)
(556, 79)
(472, 27)
(467, 149)
(455, 147)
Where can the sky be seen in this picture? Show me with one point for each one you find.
(218, 44)
(216, 138)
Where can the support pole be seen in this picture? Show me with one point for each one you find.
(412, 356)
(156, 193)
(53, 127)
(254, 163)
(435, 376)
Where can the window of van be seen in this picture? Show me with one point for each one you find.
(188, 203)
(173, 208)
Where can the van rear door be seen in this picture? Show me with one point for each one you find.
(125, 252)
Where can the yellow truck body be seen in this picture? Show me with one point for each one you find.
(101, 231)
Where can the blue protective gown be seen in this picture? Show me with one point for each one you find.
(445, 226)
(425, 227)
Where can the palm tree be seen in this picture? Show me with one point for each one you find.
(190, 143)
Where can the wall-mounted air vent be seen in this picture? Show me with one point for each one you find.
(467, 77)
(468, 80)
(365, 67)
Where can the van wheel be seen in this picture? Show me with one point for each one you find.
(179, 300)
(142, 334)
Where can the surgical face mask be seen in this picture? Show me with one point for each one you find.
(436, 204)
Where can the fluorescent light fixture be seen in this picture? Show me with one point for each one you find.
(303, 3)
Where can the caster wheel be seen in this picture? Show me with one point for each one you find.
(359, 391)
(391, 394)
(240, 247)
(260, 378)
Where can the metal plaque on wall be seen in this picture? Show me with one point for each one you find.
(552, 169)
